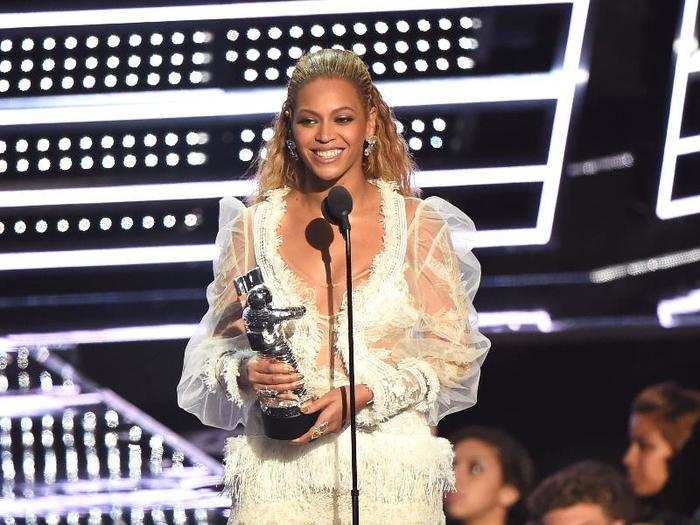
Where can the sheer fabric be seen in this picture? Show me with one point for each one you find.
(417, 346)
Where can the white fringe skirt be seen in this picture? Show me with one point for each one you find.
(403, 472)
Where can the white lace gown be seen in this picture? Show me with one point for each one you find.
(417, 346)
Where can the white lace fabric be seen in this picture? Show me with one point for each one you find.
(416, 340)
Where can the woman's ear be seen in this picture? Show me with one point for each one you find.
(371, 122)
(508, 496)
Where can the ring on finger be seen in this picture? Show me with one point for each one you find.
(268, 392)
(318, 431)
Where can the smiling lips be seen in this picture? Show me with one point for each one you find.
(327, 155)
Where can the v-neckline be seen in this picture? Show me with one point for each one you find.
(299, 282)
(302, 276)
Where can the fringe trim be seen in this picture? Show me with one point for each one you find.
(224, 364)
(231, 373)
(430, 380)
(393, 469)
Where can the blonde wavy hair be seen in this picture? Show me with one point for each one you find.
(389, 160)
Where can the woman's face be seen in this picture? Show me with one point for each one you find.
(647, 457)
(479, 481)
(330, 126)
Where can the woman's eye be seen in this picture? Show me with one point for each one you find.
(344, 120)
(475, 469)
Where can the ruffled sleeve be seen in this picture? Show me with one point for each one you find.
(435, 366)
(209, 386)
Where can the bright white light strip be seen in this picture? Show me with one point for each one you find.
(643, 266)
(125, 334)
(562, 120)
(211, 190)
(28, 405)
(666, 206)
(695, 62)
(239, 11)
(106, 257)
(131, 334)
(688, 145)
(182, 498)
(480, 176)
(668, 308)
(516, 319)
(236, 102)
(131, 193)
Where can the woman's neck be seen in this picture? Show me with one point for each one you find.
(312, 193)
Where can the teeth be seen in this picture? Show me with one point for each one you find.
(329, 154)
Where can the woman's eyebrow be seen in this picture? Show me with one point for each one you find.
(334, 111)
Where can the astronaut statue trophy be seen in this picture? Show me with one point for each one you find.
(282, 418)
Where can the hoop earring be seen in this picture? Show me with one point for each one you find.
(292, 148)
(371, 142)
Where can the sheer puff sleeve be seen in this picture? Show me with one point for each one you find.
(209, 386)
(435, 366)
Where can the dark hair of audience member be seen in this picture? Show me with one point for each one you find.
(584, 482)
(517, 467)
(675, 411)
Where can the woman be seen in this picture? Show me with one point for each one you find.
(417, 347)
(494, 475)
(663, 458)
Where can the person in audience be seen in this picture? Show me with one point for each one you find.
(585, 493)
(663, 457)
(494, 473)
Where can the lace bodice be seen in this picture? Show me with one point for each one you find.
(415, 329)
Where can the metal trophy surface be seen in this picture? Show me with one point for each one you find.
(282, 418)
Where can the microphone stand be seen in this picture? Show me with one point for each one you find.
(355, 494)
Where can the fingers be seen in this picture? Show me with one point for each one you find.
(267, 373)
(324, 425)
(264, 365)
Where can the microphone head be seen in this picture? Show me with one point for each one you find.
(337, 205)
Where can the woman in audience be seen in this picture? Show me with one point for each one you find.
(493, 473)
(663, 457)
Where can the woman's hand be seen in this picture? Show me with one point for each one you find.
(331, 418)
(264, 374)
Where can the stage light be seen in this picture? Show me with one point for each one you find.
(108, 161)
(151, 160)
(686, 46)
(92, 42)
(157, 39)
(62, 226)
(378, 68)
(86, 163)
(668, 311)
(172, 159)
(129, 161)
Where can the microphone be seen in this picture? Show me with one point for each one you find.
(336, 208)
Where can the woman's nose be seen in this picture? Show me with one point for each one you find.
(628, 458)
(324, 132)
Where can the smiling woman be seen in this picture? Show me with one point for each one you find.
(417, 351)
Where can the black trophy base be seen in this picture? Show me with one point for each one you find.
(286, 423)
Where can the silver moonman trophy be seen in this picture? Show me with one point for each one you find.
(282, 418)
